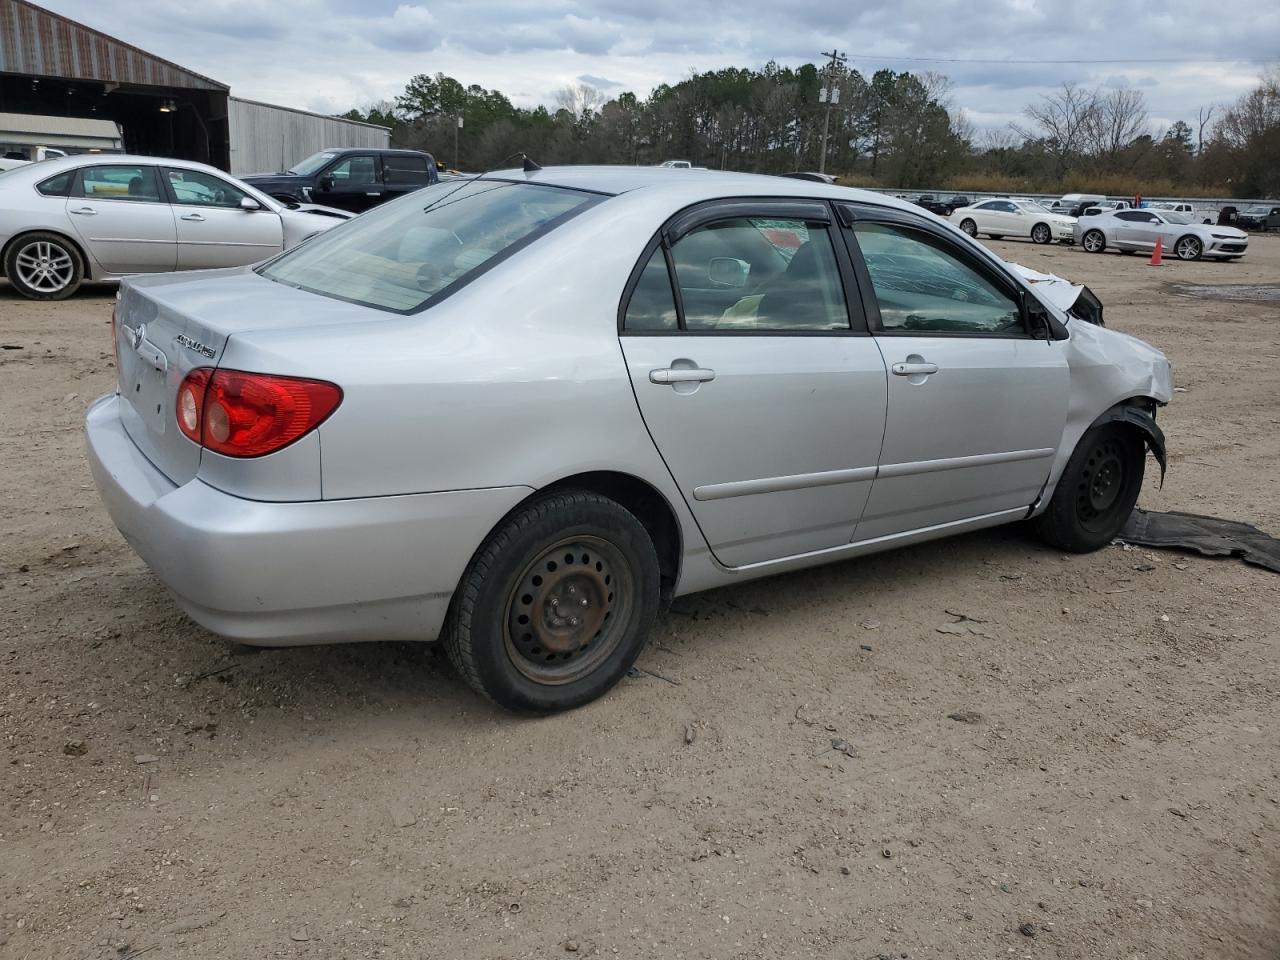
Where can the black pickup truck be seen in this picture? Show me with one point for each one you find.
(350, 178)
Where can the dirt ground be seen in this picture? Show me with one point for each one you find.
(1112, 788)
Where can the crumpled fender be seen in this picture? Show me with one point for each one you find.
(1138, 413)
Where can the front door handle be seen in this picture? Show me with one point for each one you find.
(681, 375)
(85, 212)
(916, 369)
(192, 216)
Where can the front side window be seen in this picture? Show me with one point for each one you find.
(120, 182)
(922, 287)
(357, 171)
(196, 188)
(399, 255)
(760, 274)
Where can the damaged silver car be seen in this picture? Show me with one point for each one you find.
(521, 413)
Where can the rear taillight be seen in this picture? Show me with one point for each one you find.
(242, 414)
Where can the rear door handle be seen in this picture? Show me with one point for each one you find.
(85, 212)
(192, 216)
(681, 375)
(913, 369)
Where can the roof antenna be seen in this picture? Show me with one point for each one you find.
(529, 165)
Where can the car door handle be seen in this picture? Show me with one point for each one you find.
(85, 212)
(681, 375)
(913, 369)
(192, 216)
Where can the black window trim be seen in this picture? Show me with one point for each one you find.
(76, 190)
(685, 221)
(851, 213)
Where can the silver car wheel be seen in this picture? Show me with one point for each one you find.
(44, 266)
(1189, 248)
(1094, 242)
(969, 227)
(1040, 234)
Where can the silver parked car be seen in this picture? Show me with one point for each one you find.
(521, 413)
(100, 217)
(1136, 231)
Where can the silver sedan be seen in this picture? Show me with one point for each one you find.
(1180, 234)
(99, 217)
(521, 413)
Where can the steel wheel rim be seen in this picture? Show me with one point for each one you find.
(567, 610)
(1102, 484)
(1092, 242)
(44, 266)
(1188, 248)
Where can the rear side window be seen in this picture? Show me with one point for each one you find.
(57, 186)
(398, 170)
(120, 182)
(400, 255)
(652, 305)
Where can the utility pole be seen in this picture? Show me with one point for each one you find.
(457, 127)
(830, 95)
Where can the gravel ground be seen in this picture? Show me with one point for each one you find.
(1034, 755)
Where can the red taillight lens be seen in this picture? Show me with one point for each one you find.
(242, 414)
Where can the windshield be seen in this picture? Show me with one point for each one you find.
(398, 256)
(312, 163)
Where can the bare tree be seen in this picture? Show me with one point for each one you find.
(1203, 118)
(580, 99)
(1062, 120)
(1118, 119)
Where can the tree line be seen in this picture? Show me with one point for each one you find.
(892, 129)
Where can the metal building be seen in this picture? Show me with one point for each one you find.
(53, 66)
(266, 138)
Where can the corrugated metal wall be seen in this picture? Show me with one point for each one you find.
(265, 138)
(41, 43)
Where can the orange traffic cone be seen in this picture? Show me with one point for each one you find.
(1155, 254)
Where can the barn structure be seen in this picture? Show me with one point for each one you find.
(56, 67)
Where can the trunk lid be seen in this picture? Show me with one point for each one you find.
(169, 324)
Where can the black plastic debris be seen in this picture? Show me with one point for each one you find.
(1210, 536)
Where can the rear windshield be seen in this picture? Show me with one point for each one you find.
(397, 257)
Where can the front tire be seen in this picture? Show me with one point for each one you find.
(1094, 241)
(1041, 234)
(1188, 248)
(557, 604)
(44, 266)
(1097, 490)
(969, 227)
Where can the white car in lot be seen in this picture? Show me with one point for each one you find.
(1014, 218)
(97, 217)
(1136, 231)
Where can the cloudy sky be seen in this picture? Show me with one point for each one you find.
(329, 55)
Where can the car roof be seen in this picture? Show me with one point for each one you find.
(713, 184)
(54, 166)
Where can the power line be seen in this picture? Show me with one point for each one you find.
(1188, 60)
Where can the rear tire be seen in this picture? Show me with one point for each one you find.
(1094, 241)
(44, 266)
(556, 605)
(1097, 490)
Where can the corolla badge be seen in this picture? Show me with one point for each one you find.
(196, 345)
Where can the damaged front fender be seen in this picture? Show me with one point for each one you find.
(1140, 414)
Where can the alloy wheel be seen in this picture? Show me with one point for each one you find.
(1188, 248)
(1040, 234)
(44, 266)
(568, 610)
(969, 227)
(1093, 242)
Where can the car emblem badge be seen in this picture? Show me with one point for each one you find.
(196, 345)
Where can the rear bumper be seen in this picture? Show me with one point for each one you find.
(380, 568)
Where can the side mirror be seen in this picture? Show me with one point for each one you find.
(326, 184)
(248, 204)
(728, 272)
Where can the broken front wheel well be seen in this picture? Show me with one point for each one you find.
(1139, 414)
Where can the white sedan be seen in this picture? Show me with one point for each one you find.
(1014, 218)
(96, 217)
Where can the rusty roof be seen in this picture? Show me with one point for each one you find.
(41, 43)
